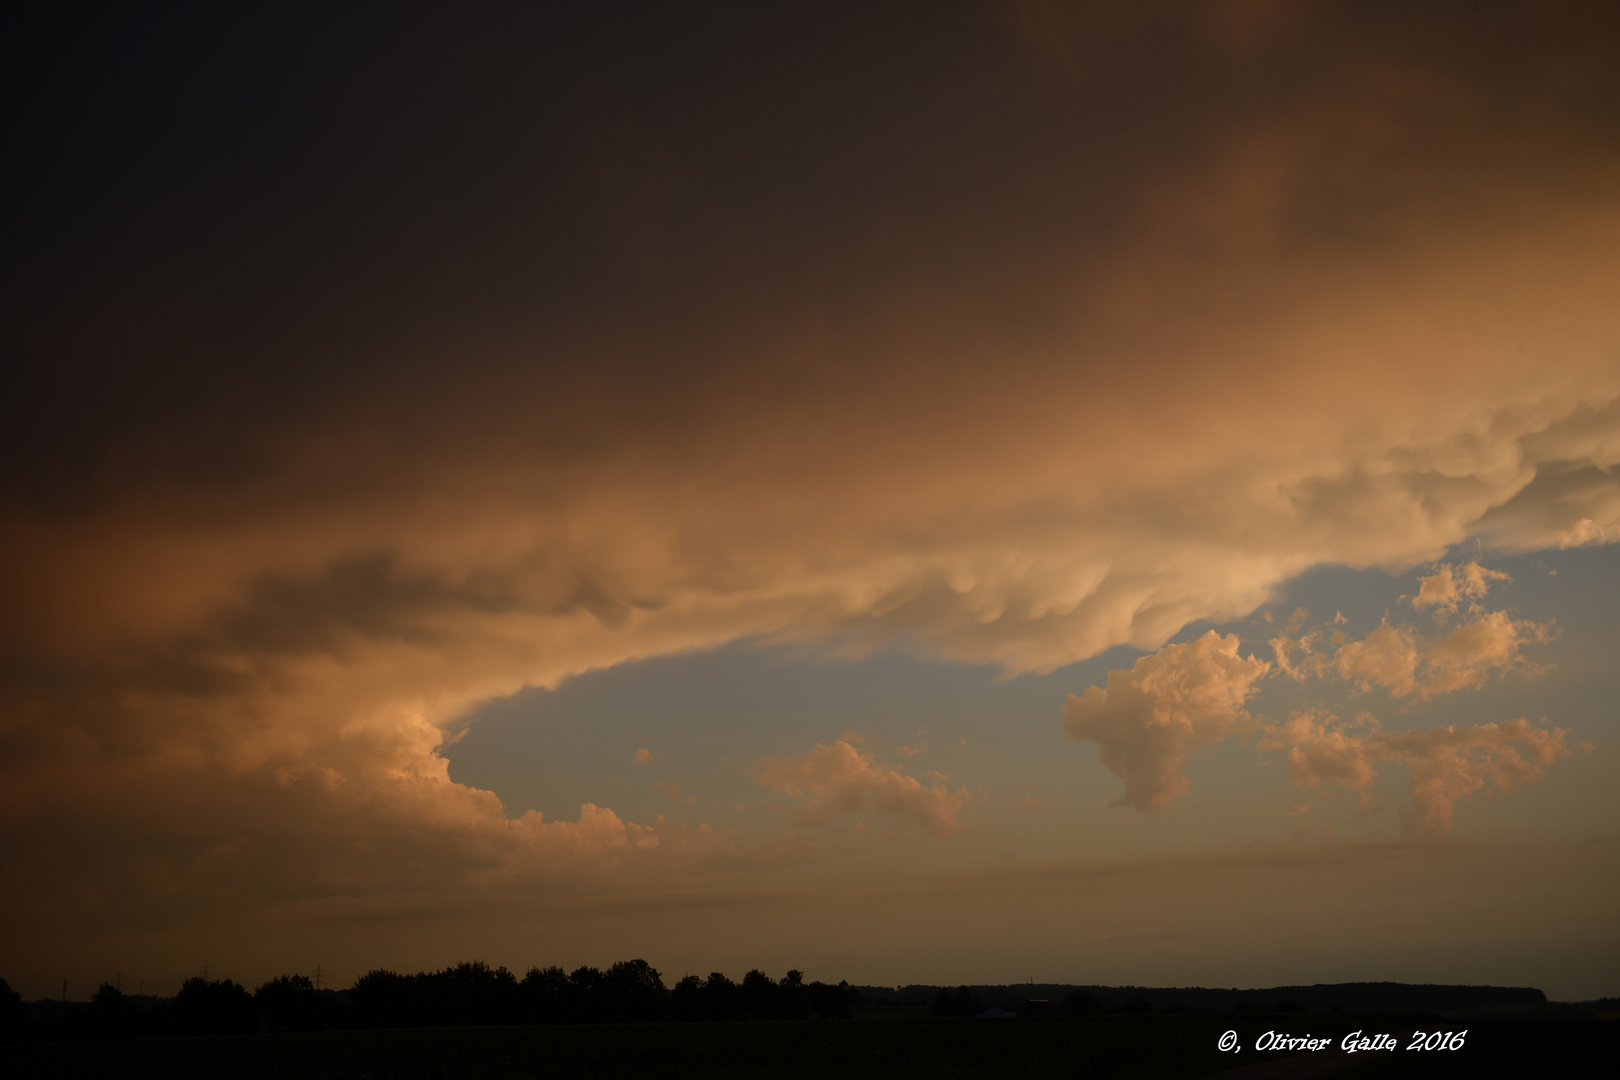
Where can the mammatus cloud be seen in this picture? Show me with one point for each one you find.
(843, 781)
(1148, 719)
(1447, 763)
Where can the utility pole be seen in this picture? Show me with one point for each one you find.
(317, 976)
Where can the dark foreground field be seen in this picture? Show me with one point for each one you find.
(1103, 1047)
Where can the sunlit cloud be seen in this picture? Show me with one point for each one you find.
(1399, 659)
(842, 783)
(1450, 585)
(1147, 720)
(1447, 764)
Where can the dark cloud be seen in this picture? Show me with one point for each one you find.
(565, 231)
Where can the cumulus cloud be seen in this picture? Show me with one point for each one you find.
(1449, 585)
(1147, 720)
(1387, 657)
(597, 830)
(1447, 763)
(1397, 658)
(1319, 751)
(843, 781)
(1404, 663)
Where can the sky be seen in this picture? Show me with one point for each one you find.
(915, 493)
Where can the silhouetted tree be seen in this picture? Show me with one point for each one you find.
(214, 1008)
(11, 1011)
(1080, 1003)
(544, 992)
(758, 996)
(1137, 1005)
(580, 999)
(719, 997)
(792, 999)
(962, 1003)
(686, 1001)
(111, 1014)
(291, 1003)
(634, 991)
(831, 1002)
(382, 999)
(472, 993)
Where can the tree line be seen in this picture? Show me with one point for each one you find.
(965, 1003)
(631, 991)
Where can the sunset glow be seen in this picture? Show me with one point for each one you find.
(951, 493)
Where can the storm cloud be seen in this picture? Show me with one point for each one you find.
(368, 368)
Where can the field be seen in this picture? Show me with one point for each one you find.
(886, 1043)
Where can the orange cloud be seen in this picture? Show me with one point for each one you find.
(1148, 719)
(1449, 585)
(1446, 763)
(1399, 660)
(843, 781)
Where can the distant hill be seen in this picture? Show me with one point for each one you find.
(1322, 997)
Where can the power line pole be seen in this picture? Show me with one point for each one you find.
(317, 976)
